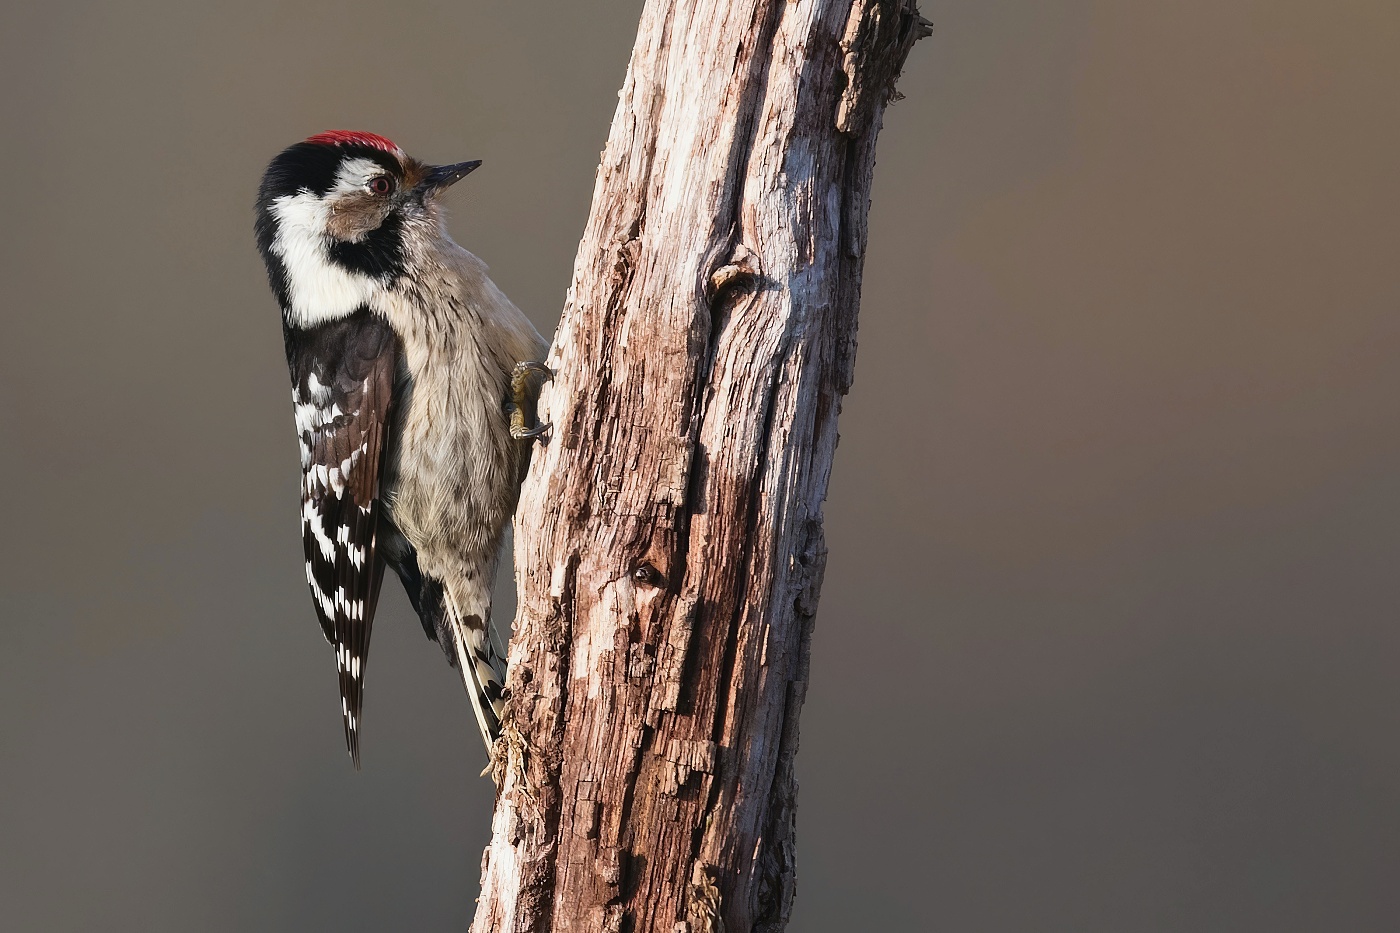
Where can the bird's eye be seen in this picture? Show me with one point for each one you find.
(381, 184)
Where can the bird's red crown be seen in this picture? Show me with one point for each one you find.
(353, 138)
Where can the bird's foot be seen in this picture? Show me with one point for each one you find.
(522, 433)
(526, 380)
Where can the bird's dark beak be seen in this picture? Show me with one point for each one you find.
(445, 176)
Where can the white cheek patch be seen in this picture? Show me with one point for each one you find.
(318, 289)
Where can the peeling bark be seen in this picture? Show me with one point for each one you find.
(669, 536)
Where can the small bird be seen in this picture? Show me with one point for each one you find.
(414, 381)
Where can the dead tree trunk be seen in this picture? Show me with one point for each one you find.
(669, 537)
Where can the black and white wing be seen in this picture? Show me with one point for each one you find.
(342, 387)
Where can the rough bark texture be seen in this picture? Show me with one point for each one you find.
(669, 536)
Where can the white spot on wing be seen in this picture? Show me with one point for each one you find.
(311, 416)
(320, 394)
(348, 463)
(312, 519)
(327, 606)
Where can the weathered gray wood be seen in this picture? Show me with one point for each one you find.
(669, 536)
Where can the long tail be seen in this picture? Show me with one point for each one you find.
(463, 631)
(483, 670)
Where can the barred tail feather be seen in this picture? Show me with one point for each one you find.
(483, 676)
(462, 626)
(482, 667)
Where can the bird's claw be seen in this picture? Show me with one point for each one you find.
(525, 383)
(518, 429)
(530, 366)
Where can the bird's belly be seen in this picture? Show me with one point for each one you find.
(455, 476)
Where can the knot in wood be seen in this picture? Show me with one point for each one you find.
(647, 575)
(742, 271)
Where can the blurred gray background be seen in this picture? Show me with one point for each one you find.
(1109, 636)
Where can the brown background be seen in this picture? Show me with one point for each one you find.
(1109, 639)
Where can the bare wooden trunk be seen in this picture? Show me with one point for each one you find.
(669, 536)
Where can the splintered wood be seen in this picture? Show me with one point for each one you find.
(669, 536)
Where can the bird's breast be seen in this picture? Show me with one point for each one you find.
(452, 457)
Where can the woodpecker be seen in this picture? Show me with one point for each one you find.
(413, 388)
